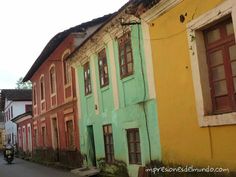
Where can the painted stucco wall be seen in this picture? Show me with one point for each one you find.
(64, 108)
(18, 108)
(134, 106)
(182, 139)
(25, 137)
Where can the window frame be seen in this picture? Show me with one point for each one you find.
(108, 134)
(27, 107)
(87, 80)
(122, 42)
(34, 95)
(70, 136)
(133, 131)
(44, 139)
(52, 78)
(200, 75)
(67, 72)
(36, 136)
(223, 44)
(102, 57)
(42, 88)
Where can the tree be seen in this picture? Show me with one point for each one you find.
(23, 85)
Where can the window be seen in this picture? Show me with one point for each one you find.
(87, 79)
(70, 134)
(134, 146)
(36, 137)
(66, 66)
(42, 91)
(28, 107)
(103, 68)
(211, 49)
(44, 136)
(125, 55)
(221, 61)
(108, 143)
(52, 80)
(34, 94)
(11, 112)
(29, 140)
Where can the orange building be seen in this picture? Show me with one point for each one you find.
(55, 114)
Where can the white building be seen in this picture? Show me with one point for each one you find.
(13, 103)
(2, 130)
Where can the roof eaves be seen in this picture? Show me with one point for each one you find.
(108, 20)
(56, 41)
(21, 116)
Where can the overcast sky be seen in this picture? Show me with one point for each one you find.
(26, 26)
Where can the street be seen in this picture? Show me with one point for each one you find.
(22, 168)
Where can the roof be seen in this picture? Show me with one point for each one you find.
(58, 39)
(14, 95)
(24, 115)
(146, 3)
(102, 25)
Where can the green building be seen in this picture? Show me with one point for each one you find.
(116, 95)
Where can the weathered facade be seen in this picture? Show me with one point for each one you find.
(13, 103)
(24, 134)
(55, 114)
(116, 96)
(55, 130)
(193, 53)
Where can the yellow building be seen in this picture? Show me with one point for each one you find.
(194, 63)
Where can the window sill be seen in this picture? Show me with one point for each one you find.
(42, 101)
(89, 95)
(127, 78)
(104, 88)
(219, 119)
(67, 85)
(53, 94)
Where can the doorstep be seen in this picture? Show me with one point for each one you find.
(86, 171)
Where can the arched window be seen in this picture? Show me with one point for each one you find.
(66, 72)
(52, 80)
(34, 95)
(66, 67)
(42, 88)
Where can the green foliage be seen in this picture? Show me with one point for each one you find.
(23, 85)
(116, 169)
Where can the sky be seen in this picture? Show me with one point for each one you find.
(26, 26)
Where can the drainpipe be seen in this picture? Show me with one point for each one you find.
(144, 95)
(144, 84)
